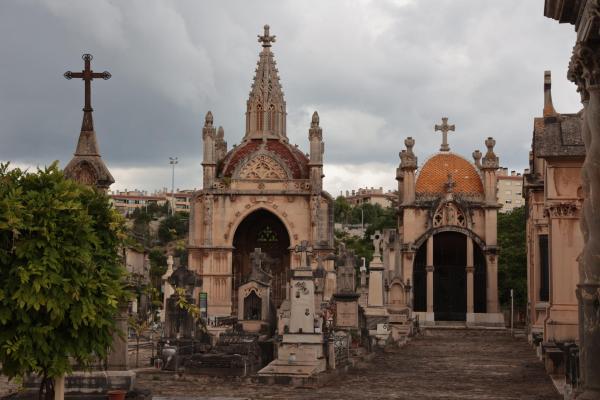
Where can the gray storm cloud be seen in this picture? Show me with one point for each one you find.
(377, 71)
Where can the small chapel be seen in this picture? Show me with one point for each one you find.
(260, 201)
(442, 261)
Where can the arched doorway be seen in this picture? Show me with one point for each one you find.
(450, 276)
(262, 229)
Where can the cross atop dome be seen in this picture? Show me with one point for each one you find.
(445, 128)
(266, 39)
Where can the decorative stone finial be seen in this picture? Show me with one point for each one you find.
(220, 132)
(477, 157)
(490, 160)
(266, 39)
(315, 120)
(315, 130)
(408, 160)
(409, 142)
(208, 120)
(490, 142)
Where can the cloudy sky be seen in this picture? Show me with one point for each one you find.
(377, 71)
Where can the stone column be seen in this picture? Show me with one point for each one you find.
(429, 268)
(492, 284)
(470, 287)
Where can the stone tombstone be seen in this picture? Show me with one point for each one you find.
(178, 321)
(346, 298)
(346, 274)
(346, 313)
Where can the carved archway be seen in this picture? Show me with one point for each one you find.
(262, 229)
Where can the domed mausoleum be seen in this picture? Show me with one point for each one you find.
(443, 261)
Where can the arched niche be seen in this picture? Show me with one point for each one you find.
(262, 229)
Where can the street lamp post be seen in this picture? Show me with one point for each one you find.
(173, 161)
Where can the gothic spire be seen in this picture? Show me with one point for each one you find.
(265, 108)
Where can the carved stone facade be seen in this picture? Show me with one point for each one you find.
(584, 71)
(441, 262)
(264, 193)
(553, 200)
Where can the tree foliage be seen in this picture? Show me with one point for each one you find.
(512, 263)
(173, 227)
(375, 218)
(61, 272)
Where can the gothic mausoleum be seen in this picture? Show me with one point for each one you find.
(264, 193)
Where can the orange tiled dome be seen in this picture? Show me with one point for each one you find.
(434, 174)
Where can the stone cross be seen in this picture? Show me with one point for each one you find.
(87, 75)
(257, 257)
(444, 128)
(305, 251)
(376, 238)
(266, 39)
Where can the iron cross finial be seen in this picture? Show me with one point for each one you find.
(445, 128)
(87, 75)
(266, 39)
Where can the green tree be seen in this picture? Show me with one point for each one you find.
(158, 266)
(173, 227)
(61, 274)
(512, 263)
(341, 210)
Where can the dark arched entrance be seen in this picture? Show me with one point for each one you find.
(262, 229)
(450, 276)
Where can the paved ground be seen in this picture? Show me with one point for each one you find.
(443, 364)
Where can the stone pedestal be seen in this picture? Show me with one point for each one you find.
(346, 311)
(300, 354)
(375, 313)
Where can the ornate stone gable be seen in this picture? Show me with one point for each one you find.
(262, 166)
(449, 213)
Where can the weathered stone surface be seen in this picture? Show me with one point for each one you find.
(474, 364)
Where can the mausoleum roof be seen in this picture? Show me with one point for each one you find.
(433, 175)
(295, 161)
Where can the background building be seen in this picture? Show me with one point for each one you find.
(510, 190)
(371, 196)
(128, 200)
